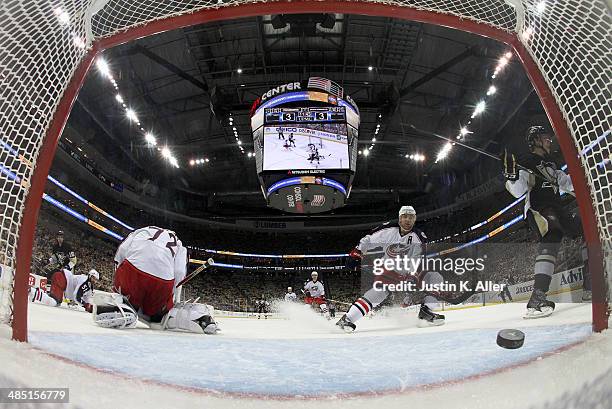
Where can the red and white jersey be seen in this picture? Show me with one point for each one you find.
(315, 289)
(77, 289)
(155, 251)
(389, 243)
(381, 238)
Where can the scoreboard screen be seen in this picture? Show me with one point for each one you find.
(300, 115)
(305, 138)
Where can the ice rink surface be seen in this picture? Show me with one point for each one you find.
(303, 360)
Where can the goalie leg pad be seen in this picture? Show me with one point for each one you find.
(111, 310)
(191, 317)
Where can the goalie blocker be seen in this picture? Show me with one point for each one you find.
(112, 310)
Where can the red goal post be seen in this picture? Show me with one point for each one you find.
(48, 47)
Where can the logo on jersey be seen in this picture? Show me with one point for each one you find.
(549, 171)
(399, 249)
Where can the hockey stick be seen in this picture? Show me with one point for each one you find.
(339, 302)
(195, 272)
(481, 151)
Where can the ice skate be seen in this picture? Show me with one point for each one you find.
(538, 306)
(587, 295)
(346, 325)
(428, 318)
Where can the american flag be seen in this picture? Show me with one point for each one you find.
(320, 83)
(327, 85)
(335, 89)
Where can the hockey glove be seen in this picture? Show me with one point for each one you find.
(354, 259)
(510, 165)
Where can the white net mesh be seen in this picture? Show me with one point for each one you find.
(42, 43)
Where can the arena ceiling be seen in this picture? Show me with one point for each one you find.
(184, 85)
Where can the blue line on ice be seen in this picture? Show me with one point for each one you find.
(308, 367)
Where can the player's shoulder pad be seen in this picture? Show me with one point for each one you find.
(420, 234)
(386, 225)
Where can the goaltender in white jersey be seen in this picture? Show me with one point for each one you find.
(149, 263)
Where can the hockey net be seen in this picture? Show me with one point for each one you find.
(47, 46)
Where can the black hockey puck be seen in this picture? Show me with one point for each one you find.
(510, 338)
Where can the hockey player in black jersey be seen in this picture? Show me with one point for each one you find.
(62, 256)
(543, 182)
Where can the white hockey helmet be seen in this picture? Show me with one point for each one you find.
(406, 210)
(93, 273)
(289, 289)
(314, 274)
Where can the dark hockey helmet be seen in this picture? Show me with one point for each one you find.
(533, 133)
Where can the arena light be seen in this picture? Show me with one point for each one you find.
(150, 139)
(508, 55)
(192, 162)
(206, 160)
(119, 98)
(540, 7)
(239, 70)
(492, 90)
(166, 152)
(103, 67)
(78, 41)
(131, 114)
(373, 139)
(239, 142)
(370, 68)
(464, 131)
(62, 16)
(443, 154)
(366, 152)
(480, 107)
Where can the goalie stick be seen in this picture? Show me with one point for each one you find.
(195, 272)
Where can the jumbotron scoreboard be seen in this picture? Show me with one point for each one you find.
(305, 136)
(300, 115)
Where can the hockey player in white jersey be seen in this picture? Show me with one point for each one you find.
(149, 263)
(290, 295)
(399, 238)
(76, 288)
(314, 292)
